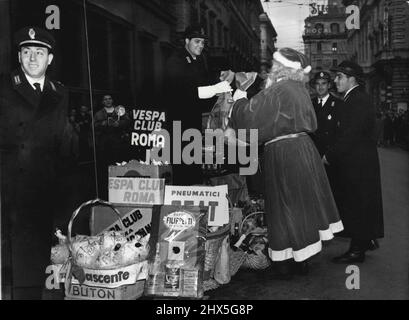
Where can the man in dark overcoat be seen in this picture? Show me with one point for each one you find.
(33, 110)
(188, 84)
(355, 157)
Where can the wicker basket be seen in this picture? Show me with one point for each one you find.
(77, 291)
(252, 260)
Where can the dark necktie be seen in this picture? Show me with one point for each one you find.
(320, 103)
(38, 88)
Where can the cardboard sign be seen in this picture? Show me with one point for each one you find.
(81, 292)
(146, 131)
(136, 191)
(135, 169)
(105, 278)
(114, 278)
(214, 197)
(137, 221)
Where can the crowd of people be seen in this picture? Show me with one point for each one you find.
(392, 128)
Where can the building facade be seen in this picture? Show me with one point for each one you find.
(325, 37)
(268, 37)
(129, 42)
(234, 29)
(381, 47)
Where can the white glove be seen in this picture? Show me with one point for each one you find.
(239, 94)
(210, 91)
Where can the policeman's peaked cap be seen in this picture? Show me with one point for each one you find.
(34, 36)
(195, 31)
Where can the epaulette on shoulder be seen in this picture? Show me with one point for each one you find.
(55, 84)
(16, 79)
(333, 95)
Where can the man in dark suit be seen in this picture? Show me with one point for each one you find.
(33, 109)
(354, 156)
(188, 84)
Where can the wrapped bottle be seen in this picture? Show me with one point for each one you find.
(235, 237)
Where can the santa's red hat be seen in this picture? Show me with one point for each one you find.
(292, 59)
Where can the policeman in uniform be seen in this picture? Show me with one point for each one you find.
(327, 108)
(188, 85)
(33, 111)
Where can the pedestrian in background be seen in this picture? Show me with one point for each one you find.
(111, 127)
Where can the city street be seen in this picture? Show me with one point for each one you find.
(384, 275)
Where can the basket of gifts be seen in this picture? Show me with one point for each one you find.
(250, 244)
(107, 266)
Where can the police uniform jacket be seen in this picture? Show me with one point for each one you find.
(31, 133)
(182, 103)
(184, 76)
(327, 120)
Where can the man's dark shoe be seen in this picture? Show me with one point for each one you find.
(373, 245)
(350, 257)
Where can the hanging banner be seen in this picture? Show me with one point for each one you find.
(213, 197)
(136, 191)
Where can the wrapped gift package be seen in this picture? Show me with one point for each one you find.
(177, 252)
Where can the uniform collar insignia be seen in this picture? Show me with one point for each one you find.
(17, 80)
(188, 60)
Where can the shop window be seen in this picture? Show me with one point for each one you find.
(319, 27)
(334, 47)
(334, 28)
